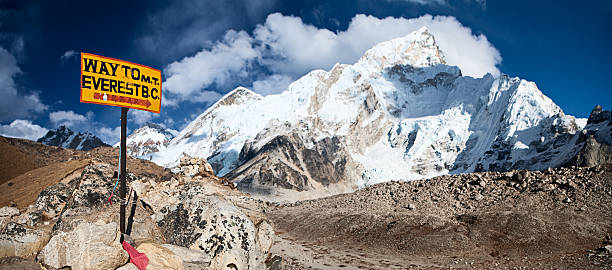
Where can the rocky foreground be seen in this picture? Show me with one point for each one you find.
(554, 219)
(181, 220)
(56, 216)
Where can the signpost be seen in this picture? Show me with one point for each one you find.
(114, 82)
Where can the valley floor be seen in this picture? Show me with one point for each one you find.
(556, 219)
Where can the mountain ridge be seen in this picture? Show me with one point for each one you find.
(398, 113)
(66, 138)
(147, 139)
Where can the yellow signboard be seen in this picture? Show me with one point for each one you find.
(115, 82)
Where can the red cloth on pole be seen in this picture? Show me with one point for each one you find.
(139, 259)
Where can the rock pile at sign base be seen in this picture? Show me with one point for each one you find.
(177, 223)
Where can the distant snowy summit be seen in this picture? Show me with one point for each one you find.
(398, 113)
(66, 138)
(149, 138)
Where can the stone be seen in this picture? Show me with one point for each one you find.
(31, 217)
(6, 215)
(265, 232)
(207, 169)
(411, 206)
(51, 200)
(93, 189)
(19, 240)
(478, 197)
(549, 187)
(160, 258)
(88, 246)
(14, 262)
(192, 259)
(275, 263)
(567, 200)
(144, 229)
(211, 224)
(129, 266)
(8, 211)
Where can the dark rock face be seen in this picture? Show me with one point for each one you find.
(287, 162)
(95, 186)
(64, 137)
(325, 162)
(177, 226)
(598, 115)
(53, 198)
(595, 140)
(593, 153)
(87, 194)
(14, 229)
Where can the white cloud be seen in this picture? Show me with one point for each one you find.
(229, 57)
(286, 36)
(13, 104)
(67, 118)
(273, 84)
(109, 135)
(23, 129)
(68, 55)
(184, 27)
(140, 117)
(169, 102)
(288, 48)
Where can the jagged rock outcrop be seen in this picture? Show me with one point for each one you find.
(595, 139)
(593, 153)
(66, 138)
(286, 162)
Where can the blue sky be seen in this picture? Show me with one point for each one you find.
(207, 48)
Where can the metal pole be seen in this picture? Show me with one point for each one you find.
(122, 175)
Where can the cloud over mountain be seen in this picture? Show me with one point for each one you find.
(284, 48)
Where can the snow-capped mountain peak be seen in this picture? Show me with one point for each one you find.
(66, 138)
(237, 96)
(417, 49)
(147, 139)
(398, 113)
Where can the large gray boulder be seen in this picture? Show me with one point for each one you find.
(19, 240)
(88, 246)
(191, 217)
